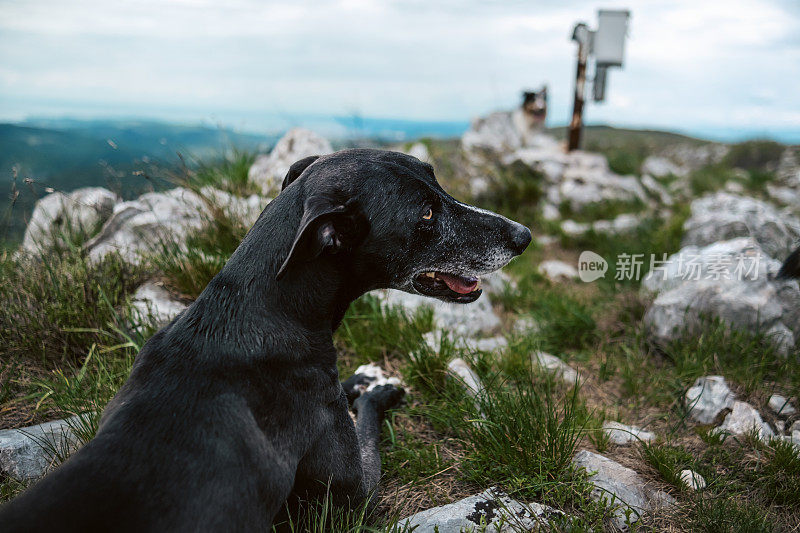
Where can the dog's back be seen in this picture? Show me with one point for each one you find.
(170, 460)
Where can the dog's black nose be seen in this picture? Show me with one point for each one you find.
(520, 238)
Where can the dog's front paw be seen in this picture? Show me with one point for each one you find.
(356, 385)
(380, 398)
(366, 378)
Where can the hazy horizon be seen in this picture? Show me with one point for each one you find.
(726, 70)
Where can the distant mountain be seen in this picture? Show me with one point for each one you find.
(128, 157)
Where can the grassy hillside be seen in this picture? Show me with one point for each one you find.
(66, 357)
(128, 157)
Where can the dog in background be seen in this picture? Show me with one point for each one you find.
(530, 116)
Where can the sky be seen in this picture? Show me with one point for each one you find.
(726, 68)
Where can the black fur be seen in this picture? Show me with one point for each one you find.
(790, 269)
(236, 404)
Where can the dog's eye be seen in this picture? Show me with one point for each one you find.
(428, 214)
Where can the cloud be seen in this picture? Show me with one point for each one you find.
(720, 63)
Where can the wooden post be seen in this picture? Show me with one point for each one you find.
(581, 35)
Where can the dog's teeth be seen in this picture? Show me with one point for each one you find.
(430, 274)
(478, 286)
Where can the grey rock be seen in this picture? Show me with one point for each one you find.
(491, 510)
(729, 280)
(80, 211)
(504, 132)
(141, 226)
(434, 341)
(550, 212)
(781, 405)
(793, 438)
(621, 486)
(557, 367)
(557, 270)
(268, 171)
(526, 324)
(733, 260)
(497, 282)
(587, 180)
(656, 189)
(734, 187)
(459, 369)
(26, 453)
(420, 151)
(472, 320)
(722, 216)
(153, 301)
(785, 189)
(692, 157)
(744, 418)
(621, 224)
(692, 480)
(621, 434)
(572, 228)
(708, 397)
(661, 167)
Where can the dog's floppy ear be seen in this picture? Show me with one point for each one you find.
(296, 169)
(327, 226)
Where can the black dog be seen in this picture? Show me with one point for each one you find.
(236, 405)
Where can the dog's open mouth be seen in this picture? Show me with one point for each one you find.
(452, 287)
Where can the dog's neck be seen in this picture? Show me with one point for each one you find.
(292, 317)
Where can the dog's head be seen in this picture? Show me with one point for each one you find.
(387, 221)
(535, 103)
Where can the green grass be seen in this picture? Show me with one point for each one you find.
(601, 210)
(757, 155)
(372, 331)
(515, 190)
(523, 430)
(68, 339)
(652, 238)
(229, 173)
(43, 301)
(748, 483)
(190, 264)
(728, 515)
(564, 323)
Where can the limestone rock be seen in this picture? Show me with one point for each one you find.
(729, 280)
(781, 406)
(491, 510)
(708, 397)
(153, 300)
(661, 167)
(621, 434)
(722, 216)
(470, 320)
(268, 171)
(557, 367)
(459, 369)
(80, 211)
(25, 453)
(557, 270)
(692, 480)
(624, 486)
(143, 225)
(743, 419)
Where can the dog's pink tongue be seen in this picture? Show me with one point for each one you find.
(459, 284)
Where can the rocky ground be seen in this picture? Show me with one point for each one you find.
(660, 395)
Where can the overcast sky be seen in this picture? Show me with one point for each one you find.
(692, 65)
